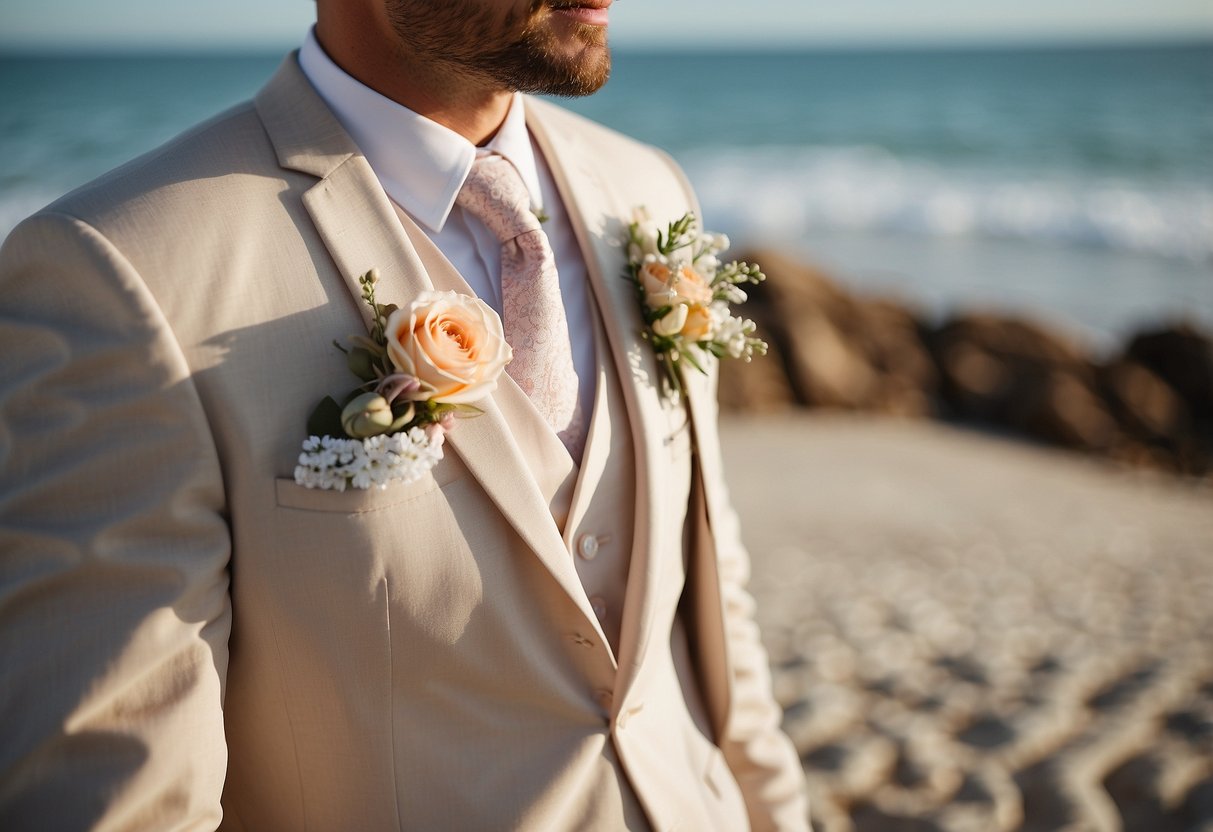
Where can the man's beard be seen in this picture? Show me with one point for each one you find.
(520, 53)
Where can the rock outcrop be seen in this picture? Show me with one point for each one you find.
(1151, 405)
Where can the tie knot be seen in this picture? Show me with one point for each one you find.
(496, 195)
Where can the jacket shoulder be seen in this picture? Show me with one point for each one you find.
(230, 144)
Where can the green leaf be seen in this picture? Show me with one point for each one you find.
(461, 411)
(368, 344)
(690, 359)
(361, 363)
(652, 316)
(673, 373)
(325, 419)
(404, 413)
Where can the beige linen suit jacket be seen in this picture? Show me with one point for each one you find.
(189, 639)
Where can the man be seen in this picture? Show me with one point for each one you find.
(548, 631)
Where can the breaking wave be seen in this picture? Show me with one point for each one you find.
(782, 192)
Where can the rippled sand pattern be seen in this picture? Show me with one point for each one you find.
(969, 633)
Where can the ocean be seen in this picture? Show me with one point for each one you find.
(1074, 184)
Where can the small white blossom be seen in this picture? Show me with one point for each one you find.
(707, 265)
(731, 293)
(336, 464)
(732, 332)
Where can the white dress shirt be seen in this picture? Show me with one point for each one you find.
(422, 165)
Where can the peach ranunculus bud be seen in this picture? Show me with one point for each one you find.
(452, 344)
(672, 322)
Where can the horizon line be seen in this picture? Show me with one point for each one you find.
(644, 46)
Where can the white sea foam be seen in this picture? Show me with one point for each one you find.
(785, 192)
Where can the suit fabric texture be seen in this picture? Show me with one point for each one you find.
(191, 640)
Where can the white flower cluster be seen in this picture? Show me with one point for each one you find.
(689, 291)
(734, 334)
(698, 249)
(337, 464)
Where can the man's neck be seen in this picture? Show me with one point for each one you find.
(471, 109)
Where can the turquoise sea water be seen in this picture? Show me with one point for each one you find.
(1103, 155)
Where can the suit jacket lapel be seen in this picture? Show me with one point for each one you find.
(482, 442)
(597, 219)
(361, 230)
(347, 205)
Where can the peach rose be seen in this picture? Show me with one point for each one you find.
(655, 278)
(451, 343)
(664, 287)
(692, 287)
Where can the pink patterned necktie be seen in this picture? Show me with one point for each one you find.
(532, 310)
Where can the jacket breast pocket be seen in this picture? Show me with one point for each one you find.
(290, 494)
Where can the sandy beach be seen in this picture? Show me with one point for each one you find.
(970, 632)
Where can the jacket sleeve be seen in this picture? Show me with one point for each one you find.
(762, 758)
(114, 607)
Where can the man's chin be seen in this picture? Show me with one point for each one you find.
(567, 68)
(575, 54)
(585, 78)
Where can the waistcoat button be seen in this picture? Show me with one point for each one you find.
(587, 546)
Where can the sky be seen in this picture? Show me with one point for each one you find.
(241, 24)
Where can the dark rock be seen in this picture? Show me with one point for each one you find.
(1145, 405)
(1151, 407)
(839, 350)
(891, 337)
(761, 386)
(1164, 428)
(1183, 358)
(1062, 408)
(1017, 374)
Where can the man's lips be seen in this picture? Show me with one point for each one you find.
(591, 12)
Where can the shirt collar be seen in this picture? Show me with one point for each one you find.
(421, 164)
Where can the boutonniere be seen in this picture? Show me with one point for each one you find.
(686, 292)
(420, 367)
